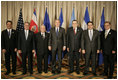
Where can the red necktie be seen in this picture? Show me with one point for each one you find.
(74, 31)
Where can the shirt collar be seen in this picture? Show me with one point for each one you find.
(108, 30)
(9, 29)
(75, 28)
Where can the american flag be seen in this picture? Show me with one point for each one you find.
(20, 27)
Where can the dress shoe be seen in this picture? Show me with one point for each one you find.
(85, 73)
(104, 74)
(14, 72)
(23, 73)
(94, 74)
(110, 77)
(70, 72)
(46, 71)
(39, 72)
(7, 73)
(77, 72)
(53, 72)
(58, 71)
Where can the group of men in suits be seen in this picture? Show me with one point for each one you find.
(90, 42)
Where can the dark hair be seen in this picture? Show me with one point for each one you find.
(27, 23)
(107, 22)
(57, 19)
(74, 20)
(90, 22)
(8, 21)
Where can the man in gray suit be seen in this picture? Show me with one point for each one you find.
(90, 44)
(57, 44)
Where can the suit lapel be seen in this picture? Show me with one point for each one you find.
(24, 35)
(7, 34)
(88, 34)
(77, 31)
(108, 34)
(93, 34)
(28, 35)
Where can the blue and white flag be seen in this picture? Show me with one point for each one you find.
(86, 19)
(72, 17)
(61, 18)
(101, 28)
(48, 27)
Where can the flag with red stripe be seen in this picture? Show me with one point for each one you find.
(34, 27)
(20, 27)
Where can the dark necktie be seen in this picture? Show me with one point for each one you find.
(57, 32)
(9, 33)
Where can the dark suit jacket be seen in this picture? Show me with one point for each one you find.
(9, 43)
(41, 44)
(88, 45)
(26, 45)
(57, 41)
(74, 40)
(110, 43)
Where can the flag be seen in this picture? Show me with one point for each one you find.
(61, 18)
(20, 27)
(48, 27)
(72, 17)
(34, 27)
(47, 21)
(33, 24)
(101, 28)
(61, 23)
(86, 19)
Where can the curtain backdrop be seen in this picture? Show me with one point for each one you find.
(10, 11)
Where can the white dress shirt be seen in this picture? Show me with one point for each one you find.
(90, 34)
(26, 34)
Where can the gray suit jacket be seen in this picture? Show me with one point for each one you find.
(88, 45)
(57, 41)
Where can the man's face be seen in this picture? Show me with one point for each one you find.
(107, 26)
(57, 23)
(74, 24)
(9, 25)
(42, 28)
(26, 26)
(90, 26)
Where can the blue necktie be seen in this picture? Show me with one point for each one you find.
(9, 33)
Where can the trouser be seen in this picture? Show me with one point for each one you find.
(7, 60)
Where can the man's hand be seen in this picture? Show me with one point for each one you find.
(50, 48)
(98, 51)
(19, 51)
(15, 49)
(64, 48)
(3, 50)
(68, 49)
(33, 51)
(113, 52)
(83, 51)
(80, 50)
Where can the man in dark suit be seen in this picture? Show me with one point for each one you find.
(26, 46)
(41, 41)
(57, 44)
(90, 44)
(9, 46)
(74, 45)
(108, 48)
